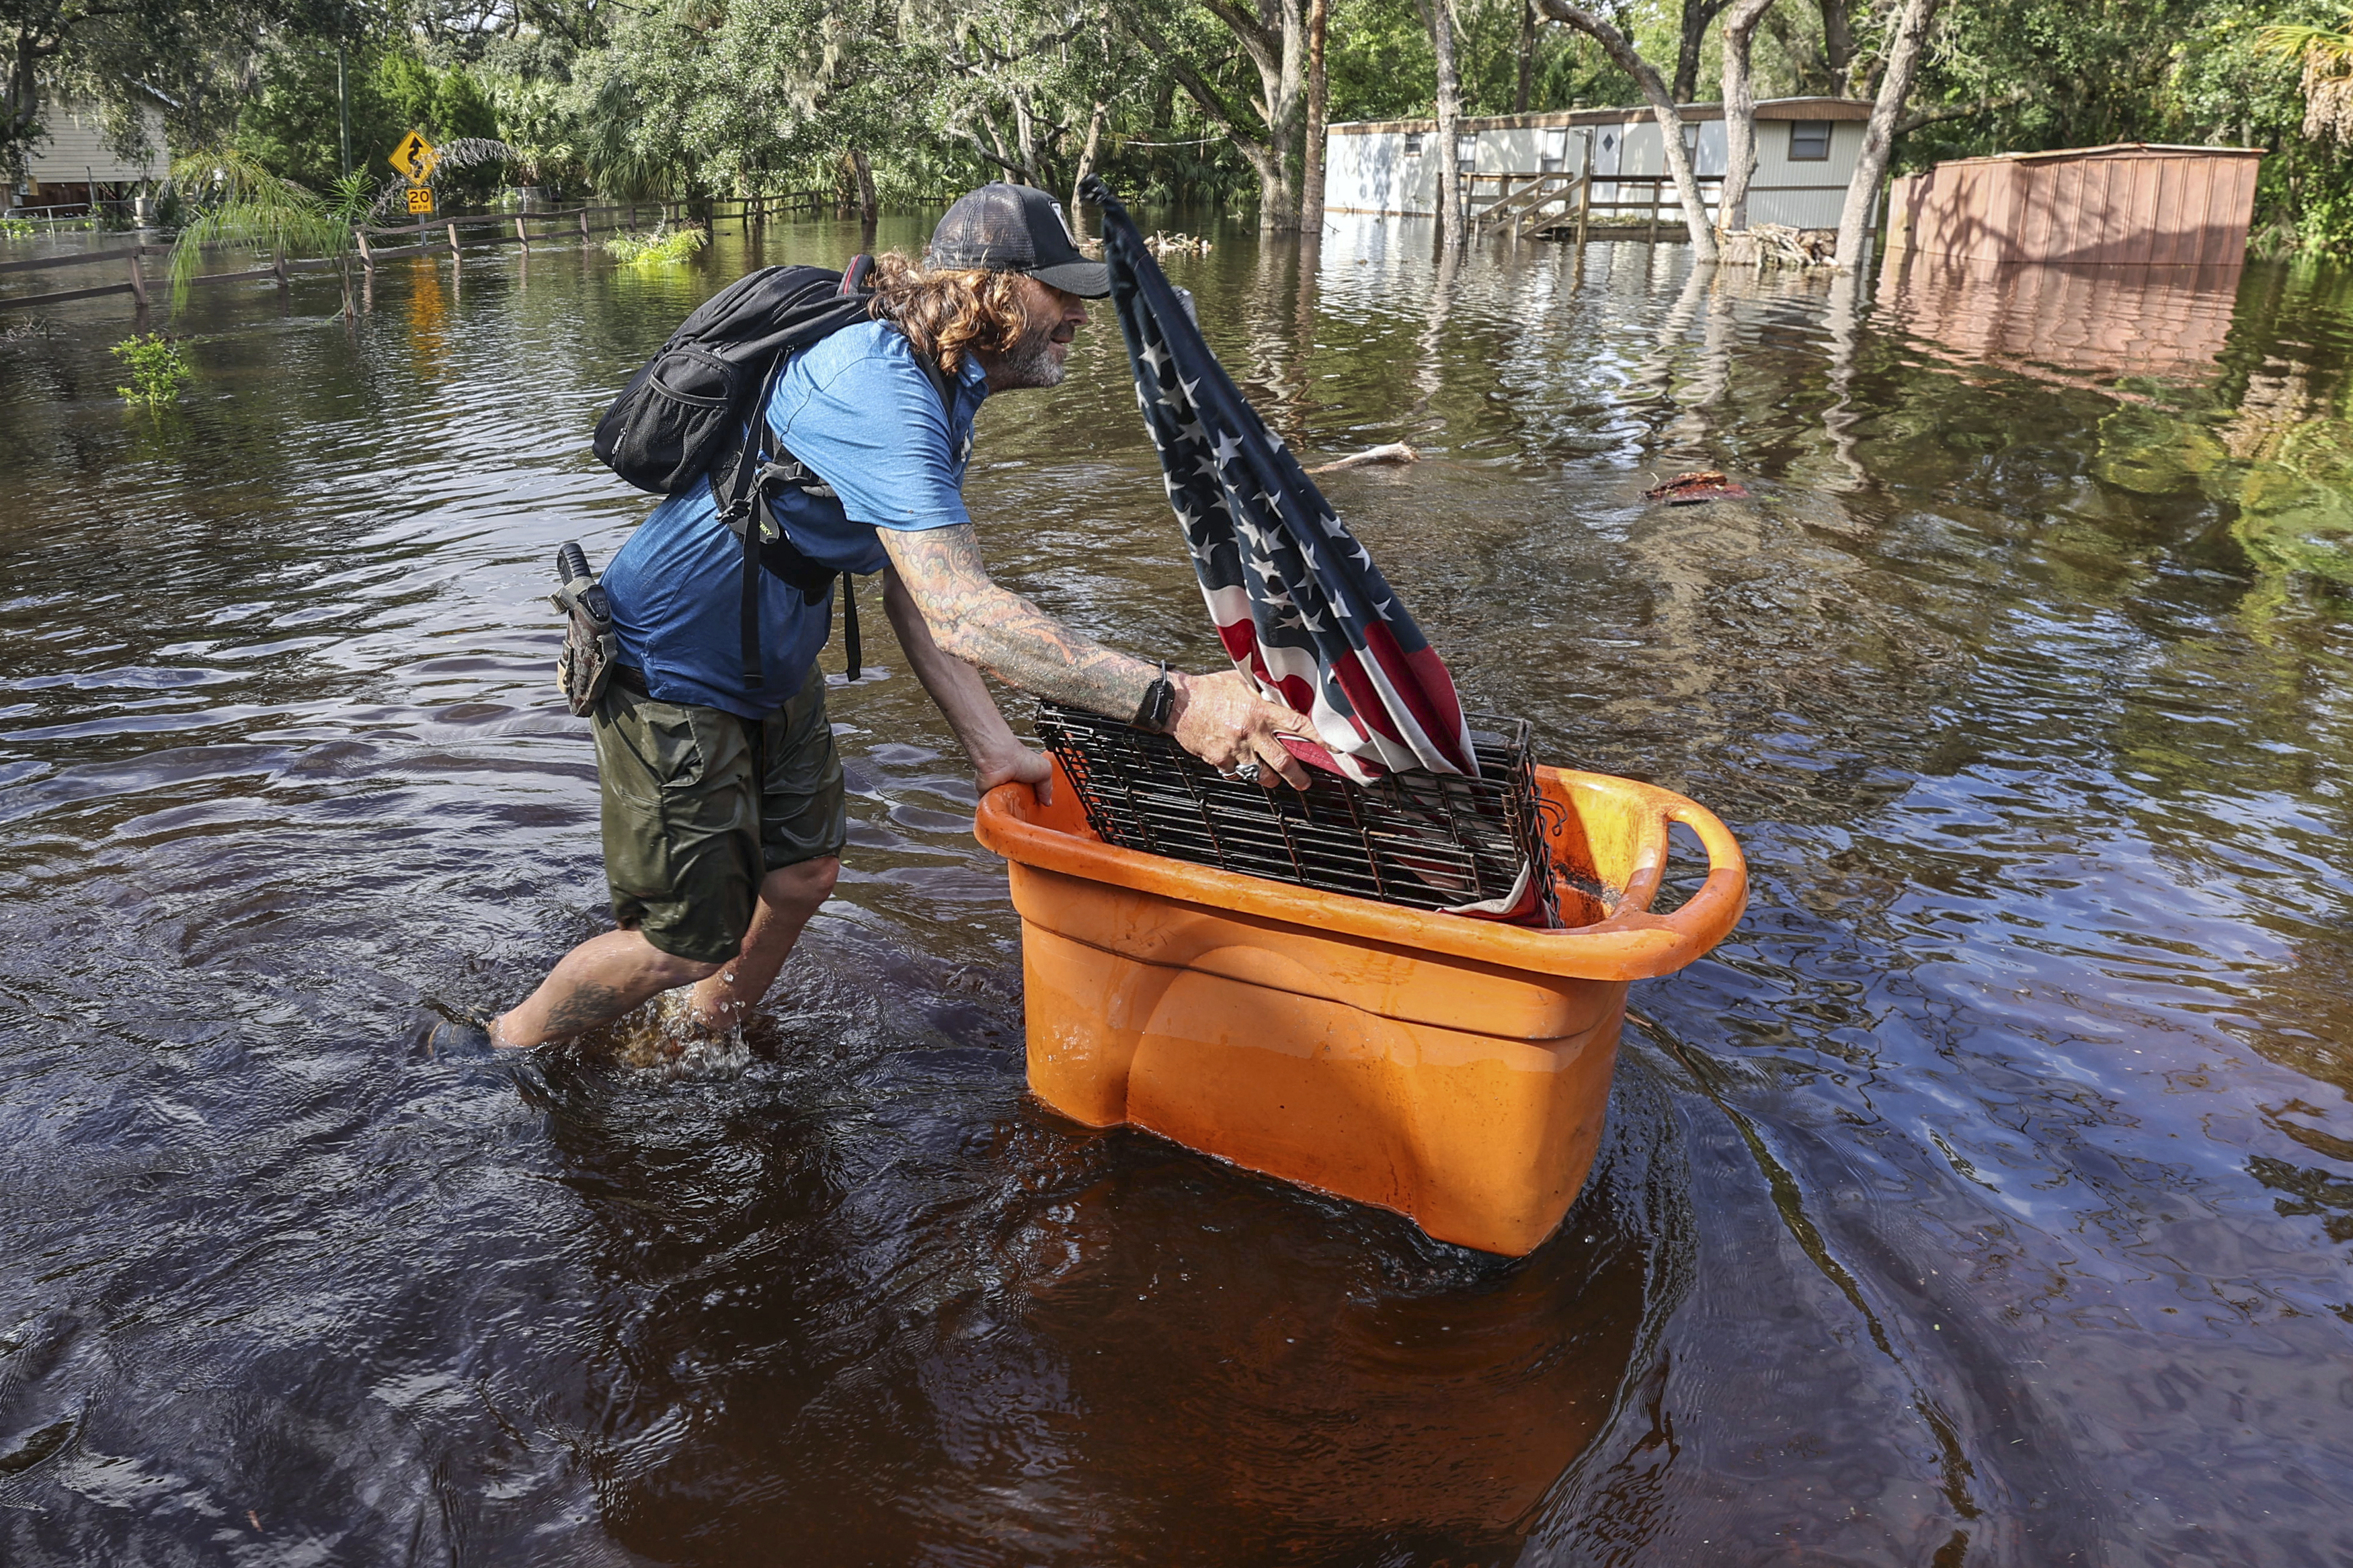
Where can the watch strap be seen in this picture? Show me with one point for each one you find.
(1159, 704)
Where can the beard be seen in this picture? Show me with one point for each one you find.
(1031, 361)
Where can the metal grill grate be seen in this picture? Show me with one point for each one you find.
(1426, 841)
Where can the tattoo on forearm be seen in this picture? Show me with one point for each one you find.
(1004, 632)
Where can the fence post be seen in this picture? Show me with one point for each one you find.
(453, 239)
(138, 280)
(522, 235)
(367, 256)
(1584, 208)
(584, 226)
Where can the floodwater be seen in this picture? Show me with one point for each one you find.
(1987, 1199)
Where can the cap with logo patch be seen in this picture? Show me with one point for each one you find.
(1017, 229)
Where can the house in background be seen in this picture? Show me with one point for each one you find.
(77, 160)
(1806, 150)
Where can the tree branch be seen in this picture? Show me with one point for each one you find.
(1623, 54)
(1256, 148)
(1919, 118)
(1266, 49)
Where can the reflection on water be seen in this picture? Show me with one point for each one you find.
(2120, 320)
(1986, 1200)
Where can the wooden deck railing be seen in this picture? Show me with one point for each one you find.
(1527, 203)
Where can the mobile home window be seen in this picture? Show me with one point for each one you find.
(1553, 154)
(1809, 140)
(1466, 153)
(1413, 143)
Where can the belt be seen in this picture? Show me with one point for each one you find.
(628, 678)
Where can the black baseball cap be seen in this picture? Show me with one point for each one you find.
(1017, 229)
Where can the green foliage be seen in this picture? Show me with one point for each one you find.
(291, 129)
(658, 248)
(156, 368)
(18, 228)
(242, 205)
(680, 100)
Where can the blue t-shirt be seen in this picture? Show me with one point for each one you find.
(860, 414)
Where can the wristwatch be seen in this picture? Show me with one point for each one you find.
(1159, 705)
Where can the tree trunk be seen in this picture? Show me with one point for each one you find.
(1025, 133)
(1838, 43)
(1310, 163)
(862, 169)
(1285, 105)
(1087, 155)
(1697, 15)
(1004, 155)
(1663, 107)
(1904, 47)
(1277, 46)
(1739, 114)
(1452, 206)
(1527, 57)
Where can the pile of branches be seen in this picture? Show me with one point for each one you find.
(1779, 245)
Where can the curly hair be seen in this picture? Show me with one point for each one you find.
(949, 313)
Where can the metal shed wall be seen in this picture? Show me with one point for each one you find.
(2169, 206)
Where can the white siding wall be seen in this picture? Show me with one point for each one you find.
(1794, 205)
(1368, 172)
(76, 148)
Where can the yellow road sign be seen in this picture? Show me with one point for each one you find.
(420, 200)
(414, 157)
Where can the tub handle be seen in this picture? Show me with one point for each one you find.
(1708, 916)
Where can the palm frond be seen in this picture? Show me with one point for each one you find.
(243, 205)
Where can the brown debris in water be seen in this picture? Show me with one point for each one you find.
(1696, 488)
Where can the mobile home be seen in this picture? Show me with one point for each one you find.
(76, 159)
(1806, 150)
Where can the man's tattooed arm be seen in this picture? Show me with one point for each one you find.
(1220, 718)
(1005, 634)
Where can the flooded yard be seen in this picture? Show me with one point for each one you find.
(1987, 1199)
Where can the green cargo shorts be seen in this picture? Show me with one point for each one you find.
(699, 806)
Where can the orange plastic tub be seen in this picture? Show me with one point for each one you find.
(1450, 1069)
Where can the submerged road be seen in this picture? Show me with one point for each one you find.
(1987, 1199)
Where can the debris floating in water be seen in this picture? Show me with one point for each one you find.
(1693, 488)
(1161, 243)
(1393, 452)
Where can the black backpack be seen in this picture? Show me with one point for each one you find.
(682, 418)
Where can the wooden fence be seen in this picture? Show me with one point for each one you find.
(427, 235)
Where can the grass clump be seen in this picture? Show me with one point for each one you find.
(658, 248)
(158, 371)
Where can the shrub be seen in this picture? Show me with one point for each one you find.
(157, 369)
(18, 228)
(655, 248)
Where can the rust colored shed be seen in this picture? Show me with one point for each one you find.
(2135, 201)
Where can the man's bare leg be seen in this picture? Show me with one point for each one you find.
(788, 897)
(601, 979)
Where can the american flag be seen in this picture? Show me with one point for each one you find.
(1298, 602)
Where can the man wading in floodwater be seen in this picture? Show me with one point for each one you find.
(723, 812)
